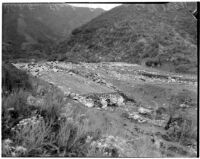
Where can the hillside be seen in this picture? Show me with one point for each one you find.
(121, 85)
(157, 35)
(32, 29)
(109, 109)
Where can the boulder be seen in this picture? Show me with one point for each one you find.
(55, 70)
(72, 95)
(184, 105)
(25, 67)
(142, 110)
(120, 101)
(89, 103)
(76, 97)
(113, 99)
(137, 117)
(71, 73)
(51, 83)
(104, 103)
(103, 81)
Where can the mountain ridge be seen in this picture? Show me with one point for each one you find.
(157, 35)
(36, 27)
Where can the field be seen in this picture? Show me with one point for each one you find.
(108, 109)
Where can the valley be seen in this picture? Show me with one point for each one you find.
(85, 82)
(129, 103)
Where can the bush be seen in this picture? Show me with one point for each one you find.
(182, 129)
(181, 126)
(12, 78)
(33, 134)
(39, 130)
(14, 108)
(42, 133)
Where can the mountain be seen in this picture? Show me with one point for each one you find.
(31, 29)
(162, 35)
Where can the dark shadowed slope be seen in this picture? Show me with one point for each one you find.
(31, 29)
(159, 35)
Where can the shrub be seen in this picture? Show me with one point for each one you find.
(12, 78)
(48, 135)
(39, 131)
(33, 134)
(52, 108)
(14, 108)
(70, 139)
(181, 127)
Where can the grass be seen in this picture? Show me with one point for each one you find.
(38, 131)
(44, 131)
(12, 78)
(44, 140)
(182, 125)
(14, 108)
(52, 108)
(33, 135)
(44, 136)
(184, 131)
(145, 148)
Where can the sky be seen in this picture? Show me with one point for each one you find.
(103, 6)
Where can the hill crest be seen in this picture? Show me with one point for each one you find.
(158, 35)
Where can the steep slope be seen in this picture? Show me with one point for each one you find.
(158, 35)
(33, 28)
